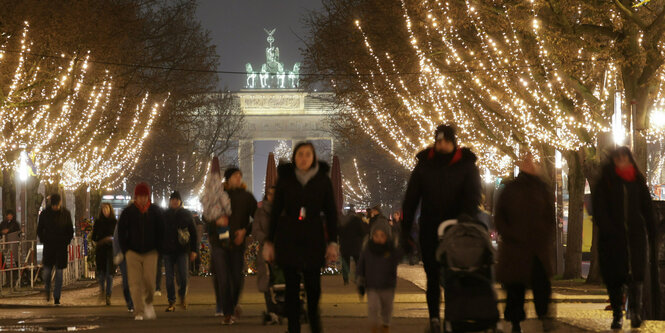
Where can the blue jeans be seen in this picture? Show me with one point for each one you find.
(57, 289)
(125, 286)
(176, 266)
(105, 279)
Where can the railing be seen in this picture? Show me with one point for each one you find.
(20, 264)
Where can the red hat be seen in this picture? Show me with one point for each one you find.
(142, 189)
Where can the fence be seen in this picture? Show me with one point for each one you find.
(20, 265)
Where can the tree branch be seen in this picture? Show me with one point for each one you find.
(628, 13)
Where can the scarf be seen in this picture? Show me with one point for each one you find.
(305, 176)
(382, 250)
(628, 173)
(143, 209)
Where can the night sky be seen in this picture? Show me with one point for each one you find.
(236, 27)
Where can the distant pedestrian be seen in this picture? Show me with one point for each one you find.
(377, 275)
(445, 184)
(623, 212)
(141, 231)
(10, 230)
(230, 259)
(102, 235)
(55, 230)
(179, 249)
(351, 236)
(526, 221)
(260, 231)
(375, 215)
(303, 240)
(119, 259)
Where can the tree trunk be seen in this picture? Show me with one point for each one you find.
(80, 195)
(8, 190)
(95, 201)
(576, 182)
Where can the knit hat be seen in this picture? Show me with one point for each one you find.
(175, 195)
(383, 225)
(229, 172)
(445, 132)
(142, 189)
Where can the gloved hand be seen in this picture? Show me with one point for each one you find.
(361, 291)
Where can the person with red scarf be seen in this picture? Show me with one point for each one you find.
(624, 216)
(140, 232)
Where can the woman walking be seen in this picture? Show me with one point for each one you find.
(102, 235)
(622, 210)
(299, 241)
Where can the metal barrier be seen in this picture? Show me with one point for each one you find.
(20, 266)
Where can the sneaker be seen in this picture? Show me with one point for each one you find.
(158, 293)
(130, 310)
(149, 312)
(228, 320)
(138, 317)
(57, 301)
(170, 308)
(219, 314)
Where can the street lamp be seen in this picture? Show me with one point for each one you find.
(618, 130)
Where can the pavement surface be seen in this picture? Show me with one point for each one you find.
(578, 308)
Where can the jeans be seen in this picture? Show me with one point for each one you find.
(105, 280)
(227, 265)
(176, 265)
(125, 285)
(57, 289)
(158, 279)
(542, 293)
(312, 281)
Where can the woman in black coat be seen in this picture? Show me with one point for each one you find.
(624, 216)
(303, 241)
(102, 235)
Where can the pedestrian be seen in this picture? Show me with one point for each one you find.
(626, 229)
(55, 230)
(300, 241)
(260, 231)
(141, 231)
(375, 214)
(444, 184)
(231, 259)
(216, 211)
(179, 249)
(351, 236)
(119, 260)
(377, 275)
(526, 221)
(10, 230)
(102, 235)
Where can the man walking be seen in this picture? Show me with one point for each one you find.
(445, 183)
(180, 247)
(55, 230)
(141, 231)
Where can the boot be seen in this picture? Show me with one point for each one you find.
(635, 304)
(617, 322)
(434, 325)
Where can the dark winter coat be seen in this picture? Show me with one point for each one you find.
(623, 234)
(55, 230)
(377, 266)
(141, 232)
(445, 186)
(351, 236)
(12, 225)
(243, 207)
(103, 227)
(300, 243)
(174, 220)
(526, 221)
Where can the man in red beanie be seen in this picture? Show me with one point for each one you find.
(140, 231)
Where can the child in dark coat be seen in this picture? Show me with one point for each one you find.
(377, 274)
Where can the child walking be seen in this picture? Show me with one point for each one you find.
(376, 273)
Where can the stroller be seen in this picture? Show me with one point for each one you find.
(466, 256)
(276, 301)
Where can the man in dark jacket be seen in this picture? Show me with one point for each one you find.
(141, 232)
(445, 183)
(179, 248)
(229, 256)
(351, 238)
(10, 229)
(55, 230)
(9, 224)
(526, 221)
